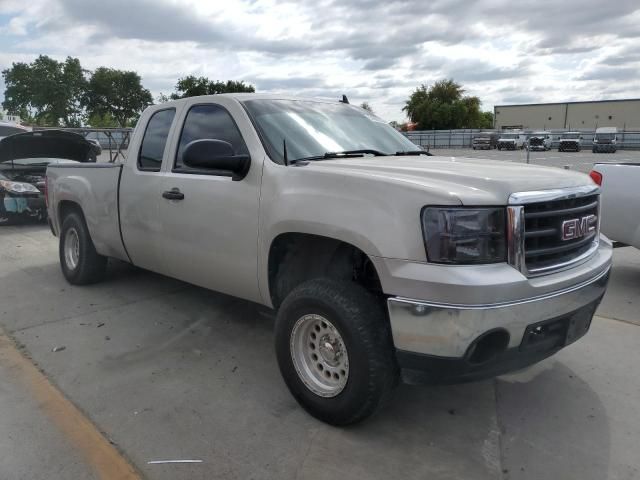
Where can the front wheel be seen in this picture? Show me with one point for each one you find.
(80, 262)
(335, 350)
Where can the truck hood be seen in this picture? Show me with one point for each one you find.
(469, 181)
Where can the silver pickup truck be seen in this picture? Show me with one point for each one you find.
(381, 261)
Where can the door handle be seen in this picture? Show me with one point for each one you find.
(173, 194)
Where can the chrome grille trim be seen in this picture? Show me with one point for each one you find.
(516, 256)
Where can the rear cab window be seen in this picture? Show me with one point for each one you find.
(154, 140)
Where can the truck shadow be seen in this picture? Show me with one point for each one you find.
(554, 425)
(200, 372)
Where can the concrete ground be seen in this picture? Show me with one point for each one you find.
(168, 371)
(582, 161)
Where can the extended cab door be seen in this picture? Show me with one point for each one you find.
(210, 221)
(140, 188)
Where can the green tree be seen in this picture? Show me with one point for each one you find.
(116, 93)
(486, 120)
(366, 106)
(105, 120)
(45, 91)
(192, 86)
(443, 106)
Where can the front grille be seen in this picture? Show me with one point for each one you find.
(544, 246)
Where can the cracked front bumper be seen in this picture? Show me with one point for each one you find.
(435, 341)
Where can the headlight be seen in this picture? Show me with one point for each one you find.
(18, 187)
(464, 235)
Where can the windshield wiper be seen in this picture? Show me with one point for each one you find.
(342, 154)
(413, 152)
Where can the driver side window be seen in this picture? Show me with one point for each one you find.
(208, 122)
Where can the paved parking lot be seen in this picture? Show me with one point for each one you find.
(168, 371)
(581, 161)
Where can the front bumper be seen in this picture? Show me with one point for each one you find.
(438, 343)
(604, 147)
(564, 146)
(28, 205)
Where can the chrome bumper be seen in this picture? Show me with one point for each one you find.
(447, 330)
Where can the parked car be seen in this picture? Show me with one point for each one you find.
(570, 141)
(485, 140)
(381, 262)
(511, 140)
(8, 128)
(605, 140)
(23, 166)
(620, 201)
(539, 141)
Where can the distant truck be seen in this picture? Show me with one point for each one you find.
(485, 141)
(539, 141)
(511, 140)
(570, 141)
(381, 261)
(605, 140)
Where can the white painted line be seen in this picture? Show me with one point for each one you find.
(155, 462)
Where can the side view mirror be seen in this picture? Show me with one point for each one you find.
(216, 157)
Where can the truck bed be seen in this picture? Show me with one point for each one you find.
(94, 186)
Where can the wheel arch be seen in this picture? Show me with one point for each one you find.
(294, 257)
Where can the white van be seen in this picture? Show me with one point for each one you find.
(605, 140)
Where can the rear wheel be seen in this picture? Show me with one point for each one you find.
(80, 262)
(335, 350)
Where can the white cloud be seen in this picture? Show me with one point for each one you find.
(372, 50)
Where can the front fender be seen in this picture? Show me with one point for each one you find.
(380, 218)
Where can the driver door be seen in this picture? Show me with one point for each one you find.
(210, 228)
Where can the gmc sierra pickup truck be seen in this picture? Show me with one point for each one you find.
(383, 263)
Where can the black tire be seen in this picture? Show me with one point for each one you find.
(360, 319)
(90, 266)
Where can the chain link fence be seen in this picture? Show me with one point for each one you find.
(463, 138)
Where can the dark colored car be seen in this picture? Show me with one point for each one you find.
(23, 180)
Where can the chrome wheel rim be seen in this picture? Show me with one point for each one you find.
(319, 355)
(71, 249)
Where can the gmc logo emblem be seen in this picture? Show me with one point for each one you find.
(578, 227)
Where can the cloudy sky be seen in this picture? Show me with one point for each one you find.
(372, 50)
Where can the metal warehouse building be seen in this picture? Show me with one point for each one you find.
(569, 115)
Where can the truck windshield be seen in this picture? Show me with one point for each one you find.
(605, 136)
(511, 136)
(314, 128)
(569, 136)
